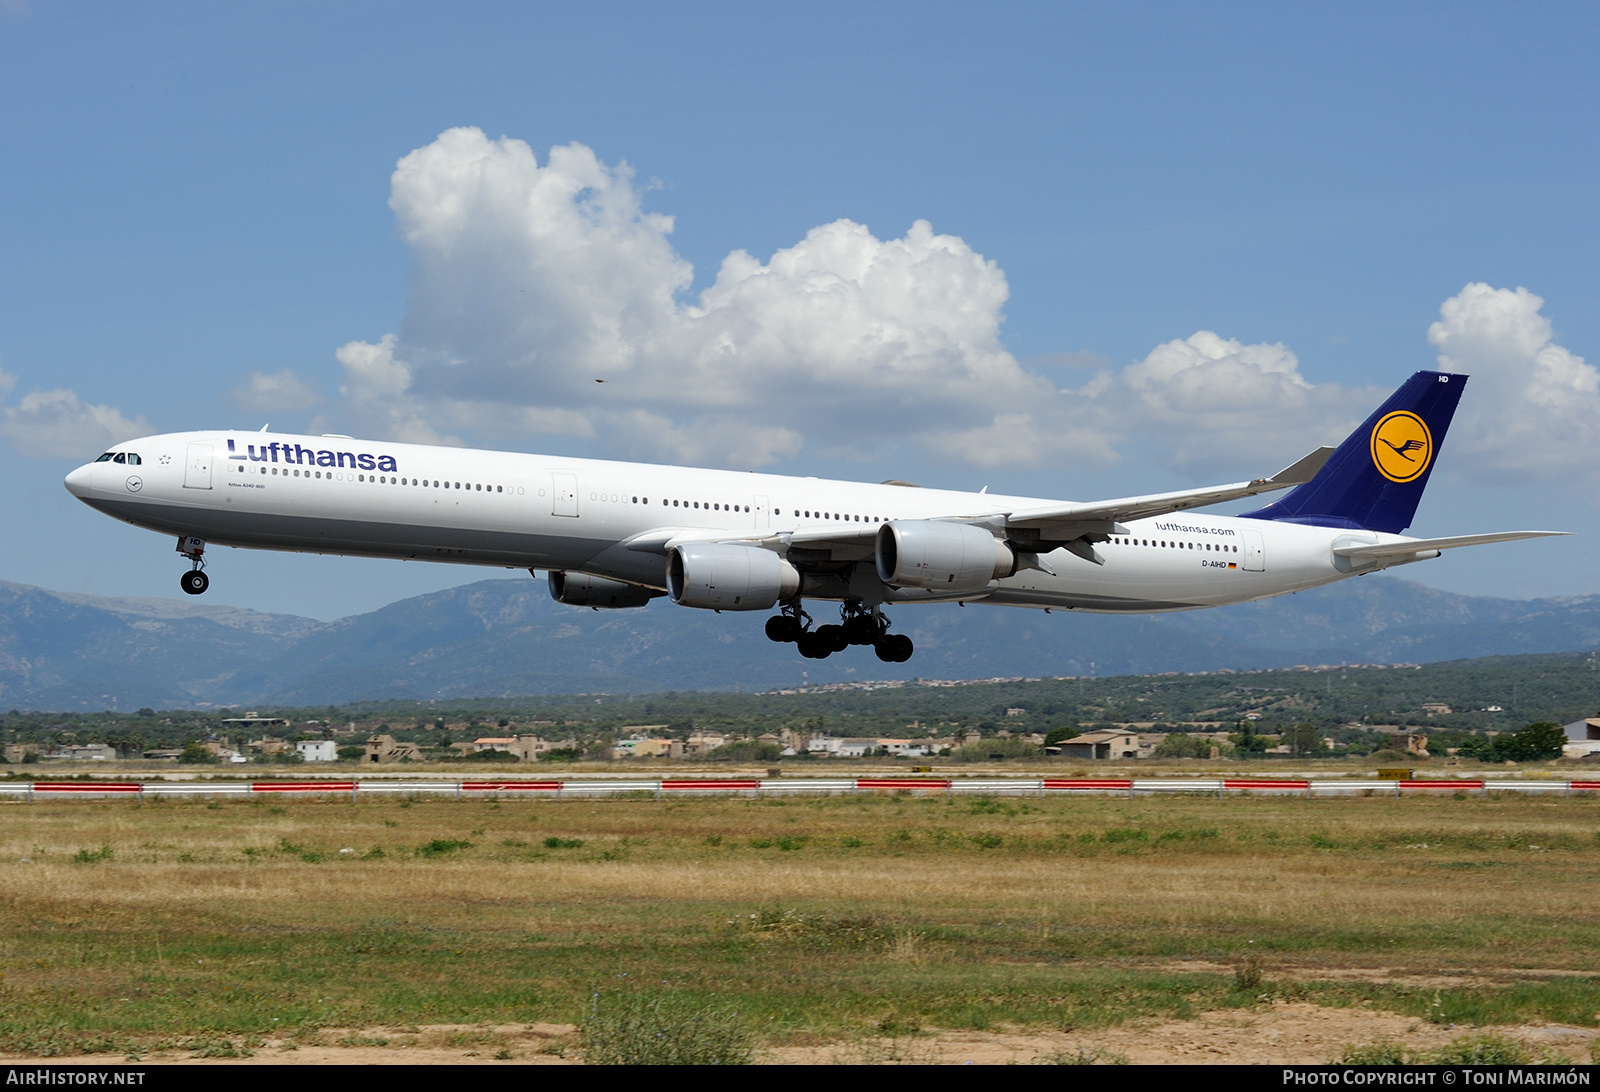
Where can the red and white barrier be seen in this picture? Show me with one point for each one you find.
(699, 786)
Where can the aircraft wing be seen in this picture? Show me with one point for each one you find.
(1430, 547)
(1062, 523)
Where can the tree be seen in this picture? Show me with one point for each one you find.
(197, 755)
(1302, 739)
(1544, 739)
(1246, 742)
(1183, 745)
(746, 750)
(1056, 735)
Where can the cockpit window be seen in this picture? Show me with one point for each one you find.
(134, 460)
(106, 458)
(121, 458)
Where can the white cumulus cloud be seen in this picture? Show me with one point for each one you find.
(1531, 405)
(530, 282)
(58, 423)
(545, 300)
(1209, 399)
(278, 391)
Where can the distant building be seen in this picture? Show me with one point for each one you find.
(318, 750)
(703, 743)
(1109, 744)
(907, 748)
(83, 752)
(1581, 730)
(529, 748)
(640, 747)
(256, 720)
(224, 750)
(1411, 743)
(1583, 738)
(384, 749)
(1436, 707)
(828, 747)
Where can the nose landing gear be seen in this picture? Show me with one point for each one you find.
(195, 580)
(858, 625)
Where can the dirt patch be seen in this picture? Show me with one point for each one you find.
(1290, 1033)
(428, 1044)
(1382, 976)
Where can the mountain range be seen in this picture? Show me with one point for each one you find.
(501, 638)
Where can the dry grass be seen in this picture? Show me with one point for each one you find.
(813, 917)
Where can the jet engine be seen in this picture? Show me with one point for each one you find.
(721, 576)
(582, 590)
(941, 557)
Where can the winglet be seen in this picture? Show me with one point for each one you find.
(1304, 470)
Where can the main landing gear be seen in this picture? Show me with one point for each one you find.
(857, 626)
(195, 580)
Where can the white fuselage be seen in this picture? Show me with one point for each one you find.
(340, 496)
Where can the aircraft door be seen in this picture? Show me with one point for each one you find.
(761, 513)
(197, 471)
(1255, 553)
(564, 490)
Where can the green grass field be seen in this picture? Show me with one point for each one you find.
(128, 925)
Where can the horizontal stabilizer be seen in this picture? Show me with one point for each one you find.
(1386, 551)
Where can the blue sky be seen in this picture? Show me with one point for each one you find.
(195, 218)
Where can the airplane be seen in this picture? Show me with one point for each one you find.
(614, 535)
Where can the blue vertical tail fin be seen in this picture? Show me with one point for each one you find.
(1374, 480)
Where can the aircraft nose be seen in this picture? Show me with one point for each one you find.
(77, 482)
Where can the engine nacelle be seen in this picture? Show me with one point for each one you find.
(941, 557)
(719, 576)
(582, 590)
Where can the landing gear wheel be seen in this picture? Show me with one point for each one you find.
(194, 582)
(783, 629)
(862, 629)
(813, 647)
(894, 648)
(833, 638)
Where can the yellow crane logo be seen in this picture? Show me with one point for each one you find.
(1402, 446)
